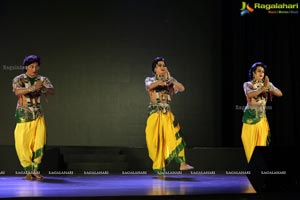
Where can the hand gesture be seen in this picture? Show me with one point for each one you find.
(170, 79)
(168, 75)
(38, 85)
(267, 82)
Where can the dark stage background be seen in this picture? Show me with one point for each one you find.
(274, 40)
(97, 55)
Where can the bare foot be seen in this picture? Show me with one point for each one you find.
(37, 176)
(161, 176)
(28, 177)
(185, 166)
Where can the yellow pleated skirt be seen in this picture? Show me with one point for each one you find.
(164, 141)
(30, 138)
(254, 135)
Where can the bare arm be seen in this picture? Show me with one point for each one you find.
(48, 91)
(156, 84)
(271, 88)
(38, 86)
(21, 91)
(268, 87)
(277, 92)
(178, 86)
(256, 92)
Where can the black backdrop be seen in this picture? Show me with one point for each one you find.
(274, 40)
(98, 54)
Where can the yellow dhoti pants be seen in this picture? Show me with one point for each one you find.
(163, 140)
(254, 135)
(30, 138)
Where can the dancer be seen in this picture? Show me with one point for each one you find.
(30, 130)
(255, 130)
(163, 136)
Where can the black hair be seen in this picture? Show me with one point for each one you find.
(156, 60)
(30, 59)
(253, 68)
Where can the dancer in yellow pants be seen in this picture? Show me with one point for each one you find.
(30, 138)
(30, 131)
(255, 131)
(163, 137)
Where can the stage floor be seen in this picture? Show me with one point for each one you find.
(125, 185)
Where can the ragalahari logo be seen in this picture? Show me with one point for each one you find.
(246, 9)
